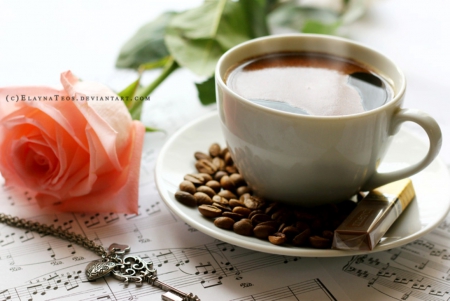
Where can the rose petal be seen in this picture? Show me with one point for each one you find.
(112, 122)
(118, 196)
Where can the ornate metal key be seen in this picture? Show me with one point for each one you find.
(113, 262)
(132, 269)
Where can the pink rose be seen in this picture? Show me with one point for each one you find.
(80, 156)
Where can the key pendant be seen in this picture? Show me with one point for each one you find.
(132, 269)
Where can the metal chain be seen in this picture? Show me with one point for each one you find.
(54, 231)
(101, 268)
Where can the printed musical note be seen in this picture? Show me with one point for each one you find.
(211, 283)
(92, 221)
(421, 287)
(313, 289)
(35, 290)
(164, 256)
(5, 295)
(133, 216)
(8, 239)
(154, 209)
(110, 218)
(225, 247)
(27, 235)
(204, 269)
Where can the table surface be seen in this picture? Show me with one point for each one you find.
(40, 39)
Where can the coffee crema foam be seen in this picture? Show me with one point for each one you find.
(309, 83)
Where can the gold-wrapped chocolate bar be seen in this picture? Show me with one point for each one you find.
(372, 217)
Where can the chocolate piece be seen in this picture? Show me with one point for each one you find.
(372, 217)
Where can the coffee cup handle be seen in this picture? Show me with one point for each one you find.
(434, 135)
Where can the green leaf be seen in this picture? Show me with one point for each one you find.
(147, 45)
(304, 19)
(207, 91)
(256, 11)
(155, 64)
(129, 92)
(198, 37)
(313, 26)
(150, 129)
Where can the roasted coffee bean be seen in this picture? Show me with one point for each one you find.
(200, 155)
(324, 213)
(219, 163)
(220, 200)
(328, 234)
(271, 223)
(235, 203)
(263, 231)
(272, 207)
(185, 198)
(214, 150)
(208, 190)
(209, 211)
(290, 232)
(337, 221)
(202, 198)
(247, 220)
(231, 169)
(242, 210)
(301, 225)
(219, 175)
(228, 159)
(213, 184)
(224, 152)
(205, 166)
(317, 226)
(259, 218)
(277, 238)
(224, 222)
(254, 203)
(302, 239)
(187, 186)
(222, 206)
(304, 215)
(233, 215)
(244, 196)
(227, 194)
(243, 190)
(206, 177)
(320, 242)
(196, 179)
(283, 215)
(255, 212)
(243, 227)
(217, 186)
(282, 226)
(226, 183)
(237, 180)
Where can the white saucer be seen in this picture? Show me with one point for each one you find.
(426, 211)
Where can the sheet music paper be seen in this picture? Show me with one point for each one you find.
(35, 267)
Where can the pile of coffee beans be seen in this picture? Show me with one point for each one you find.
(221, 194)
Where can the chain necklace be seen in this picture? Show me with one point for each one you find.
(113, 261)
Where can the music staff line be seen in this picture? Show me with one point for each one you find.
(400, 283)
(307, 290)
(205, 265)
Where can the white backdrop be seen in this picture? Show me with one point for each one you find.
(40, 39)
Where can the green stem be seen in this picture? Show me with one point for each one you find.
(136, 110)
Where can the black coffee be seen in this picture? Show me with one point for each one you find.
(309, 83)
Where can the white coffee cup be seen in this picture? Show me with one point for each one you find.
(312, 160)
